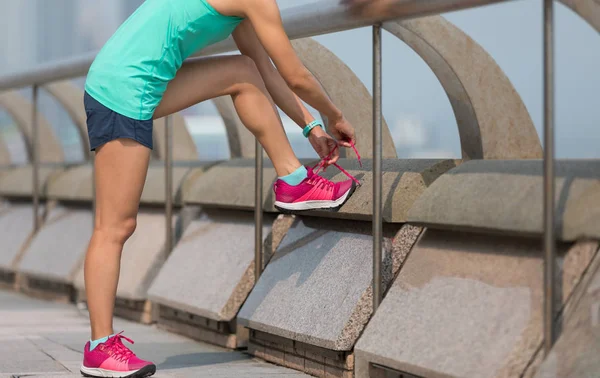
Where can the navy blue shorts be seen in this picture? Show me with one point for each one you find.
(105, 125)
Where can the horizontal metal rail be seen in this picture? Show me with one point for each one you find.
(302, 21)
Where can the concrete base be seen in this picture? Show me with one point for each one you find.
(44, 288)
(57, 251)
(467, 305)
(318, 362)
(317, 288)
(224, 334)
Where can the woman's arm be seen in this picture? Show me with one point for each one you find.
(249, 45)
(286, 100)
(266, 21)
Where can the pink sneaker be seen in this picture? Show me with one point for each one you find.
(113, 359)
(315, 192)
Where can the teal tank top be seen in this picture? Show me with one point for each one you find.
(131, 72)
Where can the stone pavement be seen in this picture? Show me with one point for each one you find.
(44, 339)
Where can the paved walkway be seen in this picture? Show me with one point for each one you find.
(44, 339)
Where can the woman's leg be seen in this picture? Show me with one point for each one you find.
(121, 167)
(238, 77)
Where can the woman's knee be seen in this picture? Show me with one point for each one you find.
(248, 72)
(116, 232)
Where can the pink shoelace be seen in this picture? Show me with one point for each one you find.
(321, 165)
(120, 351)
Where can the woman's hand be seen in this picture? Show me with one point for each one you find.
(324, 145)
(343, 131)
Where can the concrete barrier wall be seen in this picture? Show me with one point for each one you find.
(18, 182)
(403, 183)
(505, 196)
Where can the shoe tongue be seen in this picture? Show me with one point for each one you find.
(310, 171)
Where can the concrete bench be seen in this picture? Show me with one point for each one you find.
(506, 196)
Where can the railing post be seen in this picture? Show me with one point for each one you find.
(35, 155)
(377, 152)
(549, 237)
(168, 185)
(258, 212)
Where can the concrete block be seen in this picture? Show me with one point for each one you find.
(142, 258)
(317, 287)
(211, 270)
(154, 188)
(16, 227)
(466, 305)
(576, 351)
(237, 176)
(505, 196)
(58, 249)
(403, 182)
(74, 184)
(19, 181)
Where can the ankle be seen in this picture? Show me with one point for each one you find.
(295, 177)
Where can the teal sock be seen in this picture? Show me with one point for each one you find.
(295, 177)
(95, 343)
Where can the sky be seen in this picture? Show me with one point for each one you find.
(414, 104)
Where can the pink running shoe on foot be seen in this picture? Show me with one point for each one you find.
(113, 359)
(314, 192)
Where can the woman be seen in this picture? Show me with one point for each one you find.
(138, 76)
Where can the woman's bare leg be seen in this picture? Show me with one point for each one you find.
(238, 77)
(121, 167)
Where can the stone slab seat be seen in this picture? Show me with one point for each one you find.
(18, 182)
(468, 305)
(154, 188)
(506, 196)
(316, 288)
(231, 185)
(403, 182)
(75, 184)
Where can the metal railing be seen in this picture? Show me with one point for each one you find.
(317, 19)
